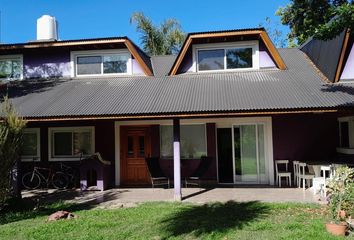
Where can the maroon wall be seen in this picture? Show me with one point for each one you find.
(104, 142)
(312, 137)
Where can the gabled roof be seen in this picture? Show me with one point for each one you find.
(299, 88)
(228, 33)
(138, 54)
(328, 56)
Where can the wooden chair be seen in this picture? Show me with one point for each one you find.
(157, 176)
(279, 174)
(304, 176)
(194, 179)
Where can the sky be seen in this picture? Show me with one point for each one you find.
(107, 18)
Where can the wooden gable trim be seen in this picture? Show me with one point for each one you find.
(137, 56)
(60, 44)
(342, 55)
(273, 51)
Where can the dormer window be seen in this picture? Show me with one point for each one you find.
(226, 57)
(98, 63)
(11, 67)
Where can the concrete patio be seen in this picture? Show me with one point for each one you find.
(126, 197)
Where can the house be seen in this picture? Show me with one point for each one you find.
(229, 95)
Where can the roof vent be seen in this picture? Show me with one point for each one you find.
(47, 28)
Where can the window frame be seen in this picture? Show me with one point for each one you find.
(37, 158)
(13, 57)
(189, 124)
(350, 149)
(254, 44)
(102, 53)
(51, 131)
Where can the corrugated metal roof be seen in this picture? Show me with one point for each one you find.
(325, 54)
(162, 64)
(298, 87)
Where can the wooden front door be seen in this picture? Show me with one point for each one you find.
(135, 146)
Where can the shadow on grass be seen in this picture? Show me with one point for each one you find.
(44, 204)
(212, 218)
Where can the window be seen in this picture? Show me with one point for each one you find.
(97, 63)
(193, 141)
(221, 57)
(31, 145)
(69, 143)
(346, 135)
(11, 67)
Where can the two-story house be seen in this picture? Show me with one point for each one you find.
(229, 95)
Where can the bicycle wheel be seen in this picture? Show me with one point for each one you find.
(60, 180)
(31, 180)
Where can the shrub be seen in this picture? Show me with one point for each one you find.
(341, 192)
(11, 128)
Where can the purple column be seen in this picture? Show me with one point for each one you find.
(176, 161)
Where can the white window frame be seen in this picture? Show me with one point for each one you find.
(13, 57)
(225, 46)
(53, 130)
(205, 133)
(350, 121)
(37, 157)
(75, 54)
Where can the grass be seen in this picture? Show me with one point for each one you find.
(231, 220)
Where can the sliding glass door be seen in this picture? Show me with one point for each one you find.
(249, 154)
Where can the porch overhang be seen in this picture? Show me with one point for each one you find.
(184, 115)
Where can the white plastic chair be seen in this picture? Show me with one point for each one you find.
(280, 174)
(296, 172)
(304, 176)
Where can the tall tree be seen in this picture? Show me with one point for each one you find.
(165, 39)
(323, 19)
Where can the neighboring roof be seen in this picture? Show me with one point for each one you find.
(228, 33)
(328, 56)
(162, 64)
(297, 88)
(138, 54)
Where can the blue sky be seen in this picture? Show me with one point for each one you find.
(91, 19)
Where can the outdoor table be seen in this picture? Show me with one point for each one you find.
(315, 167)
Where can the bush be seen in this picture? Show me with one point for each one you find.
(10, 144)
(341, 192)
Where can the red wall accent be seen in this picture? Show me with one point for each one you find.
(312, 137)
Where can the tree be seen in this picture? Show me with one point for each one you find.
(323, 19)
(165, 39)
(10, 144)
(274, 33)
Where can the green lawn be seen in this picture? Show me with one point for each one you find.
(230, 220)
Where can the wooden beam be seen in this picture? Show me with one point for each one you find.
(137, 56)
(342, 55)
(59, 44)
(192, 115)
(273, 51)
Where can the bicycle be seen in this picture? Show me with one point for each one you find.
(35, 178)
(70, 173)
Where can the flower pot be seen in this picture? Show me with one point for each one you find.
(336, 229)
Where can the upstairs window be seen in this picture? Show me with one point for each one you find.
(224, 57)
(11, 67)
(102, 63)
